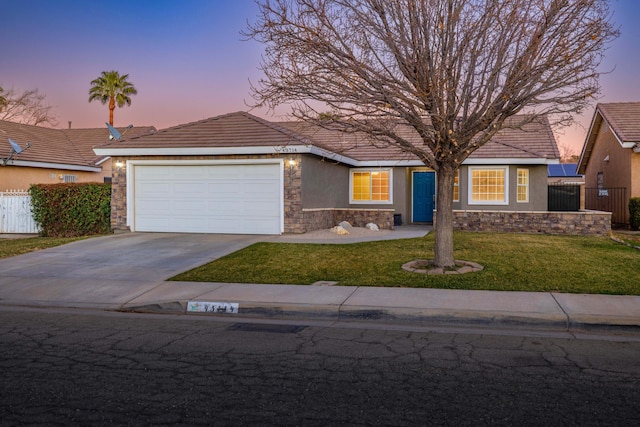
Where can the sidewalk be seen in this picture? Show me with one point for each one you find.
(134, 286)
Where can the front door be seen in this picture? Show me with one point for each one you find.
(424, 190)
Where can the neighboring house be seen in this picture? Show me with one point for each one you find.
(55, 155)
(238, 173)
(610, 159)
(565, 173)
(566, 188)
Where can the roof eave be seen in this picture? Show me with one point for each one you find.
(48, 165)
(511, 161)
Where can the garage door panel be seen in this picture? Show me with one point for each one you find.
(234, 199)
(186, 189)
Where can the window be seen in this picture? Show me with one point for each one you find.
(69, 178)
(488, 185)
(371, 186)
(523, 185)
(456, 187)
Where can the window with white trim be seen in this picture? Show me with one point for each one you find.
(69, 178)
(489, 185)
(523, 185)
(370, 186)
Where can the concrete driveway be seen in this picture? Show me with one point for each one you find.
(112, 269)
(131, 256)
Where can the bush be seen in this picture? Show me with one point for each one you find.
(634, 212)
(69, 210)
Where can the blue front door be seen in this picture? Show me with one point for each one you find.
(424, 189)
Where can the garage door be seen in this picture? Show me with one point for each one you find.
(233, 199)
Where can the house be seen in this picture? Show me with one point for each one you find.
(238, 173)
(55, 155)
(610, 159)
(564, 173)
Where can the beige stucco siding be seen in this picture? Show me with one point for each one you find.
(635, 174)
(616, 169)
(21, 177)
(325, 183)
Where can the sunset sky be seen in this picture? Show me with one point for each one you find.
(187, 58)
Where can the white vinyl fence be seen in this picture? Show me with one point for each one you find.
(15, 212)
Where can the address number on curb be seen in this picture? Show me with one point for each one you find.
(212, 307)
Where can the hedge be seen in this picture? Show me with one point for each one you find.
(634, 212)
(70, 210)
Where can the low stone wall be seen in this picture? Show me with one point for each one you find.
(593, 223)
(318, 219)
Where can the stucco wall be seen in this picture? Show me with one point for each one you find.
(635, 174)
(616, 170)
(21, 177)
(325, 183)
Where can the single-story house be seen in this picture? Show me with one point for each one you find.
(238, 173)
(610, 159)
(55, 155)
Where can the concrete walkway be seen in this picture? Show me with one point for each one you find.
(128, 272)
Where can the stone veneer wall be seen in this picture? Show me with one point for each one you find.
(593, 223)
(318, 219)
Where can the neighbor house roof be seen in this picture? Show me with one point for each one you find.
(623, 118)
(563, 170)
(59, 148)
(244, 133)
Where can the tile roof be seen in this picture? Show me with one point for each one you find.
(229, 130)
(532, 140)
(86, 139)
(623, 118)
(240, 129)
(58, 146)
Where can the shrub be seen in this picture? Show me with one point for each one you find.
(69, 210)
(634, 212)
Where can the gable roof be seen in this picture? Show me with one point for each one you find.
(623, 118)
(243, 133)
(59, 148)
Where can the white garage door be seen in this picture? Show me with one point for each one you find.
(233, 199)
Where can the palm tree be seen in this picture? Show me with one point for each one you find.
(114, 88)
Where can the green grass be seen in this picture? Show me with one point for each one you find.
(512, 262)
(12, 247)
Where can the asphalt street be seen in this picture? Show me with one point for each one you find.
(71, 367)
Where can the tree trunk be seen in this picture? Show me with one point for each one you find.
(112, 106)
(444, 218)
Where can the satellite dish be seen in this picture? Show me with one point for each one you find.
(113, 132)
(15, 149)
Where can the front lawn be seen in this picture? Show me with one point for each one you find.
(12, 247)
(512, 262)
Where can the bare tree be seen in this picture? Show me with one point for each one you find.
(568, 154)
(28, 107)
(453, 70)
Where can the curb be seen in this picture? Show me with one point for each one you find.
(406, 316)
